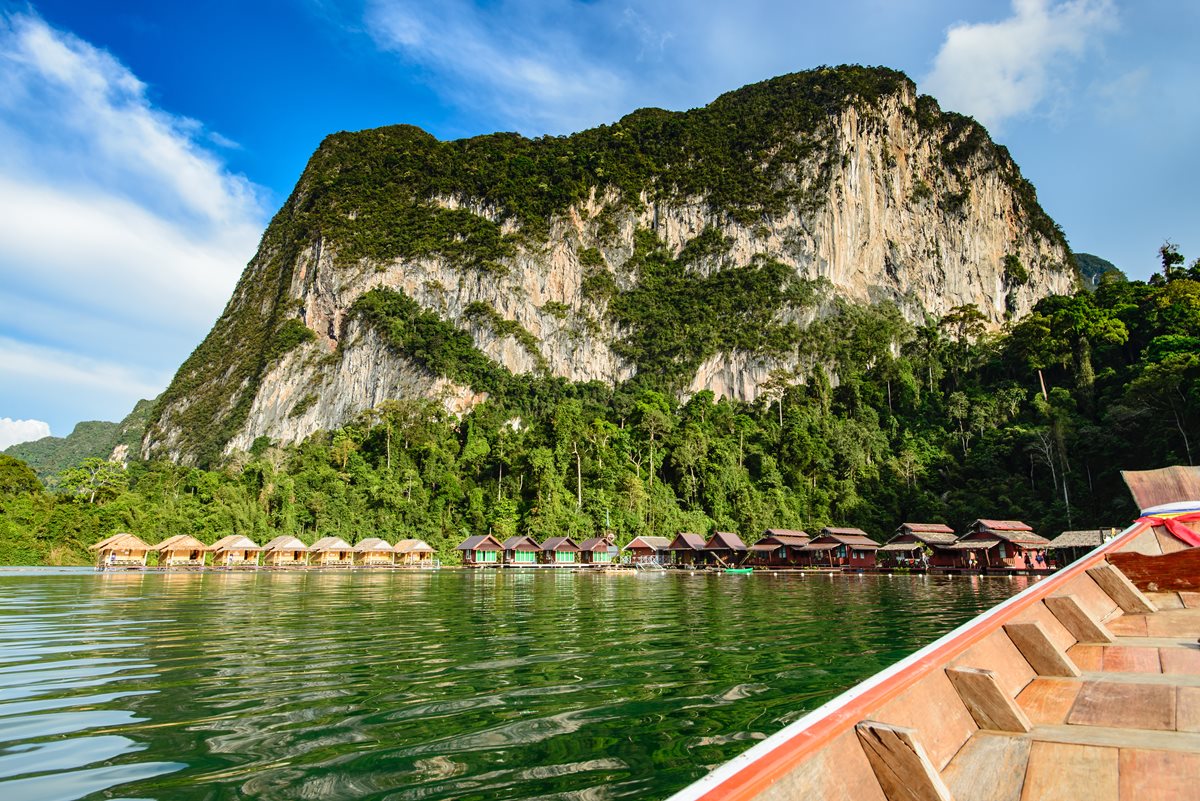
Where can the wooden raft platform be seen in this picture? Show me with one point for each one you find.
(1083, 686)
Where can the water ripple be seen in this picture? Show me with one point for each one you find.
(416, 687)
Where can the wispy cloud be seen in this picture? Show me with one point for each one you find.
(995, 71)
(15, 431)
(116, 216)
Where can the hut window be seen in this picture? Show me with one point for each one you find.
(1003, 551)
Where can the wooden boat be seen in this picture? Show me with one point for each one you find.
(1085, 685)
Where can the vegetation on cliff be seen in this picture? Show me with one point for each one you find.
(894, 422)
(374, 196)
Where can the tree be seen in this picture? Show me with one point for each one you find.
(96, 478)
(16, 477)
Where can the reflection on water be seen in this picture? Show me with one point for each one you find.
(449, 685)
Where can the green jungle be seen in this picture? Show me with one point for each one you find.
(893, 422)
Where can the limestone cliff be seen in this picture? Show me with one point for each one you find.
(836, 181)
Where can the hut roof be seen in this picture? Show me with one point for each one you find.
(1017, 537)
(653, 543)
(285, 543)
(1088, 538)
(372, 544)
(686, 541)
(1001, 525)
(234, 542)
(973, 545)
(521, 542)
(725, 541)
(330, 544)
(594, 544)
(901, 546)
(120, 542)
(414, 546)
(180, 542)
(560, 544)
(797, 538)
(787, 532)
(925, 528)
(1151, 488)
(854, 537)
(480, 542)
(938, 538)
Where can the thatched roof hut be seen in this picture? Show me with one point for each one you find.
(560, 550)
(285, 551)
(374, 552)
(414, 552)
(182, 550)
(480, 549)
(120, 550)
(235, 550)
(331, 552)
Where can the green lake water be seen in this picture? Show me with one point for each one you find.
(446, 685)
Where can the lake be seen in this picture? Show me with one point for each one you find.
(443, 685)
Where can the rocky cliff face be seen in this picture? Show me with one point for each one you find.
(877, 197)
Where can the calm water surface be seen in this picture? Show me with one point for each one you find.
(449, 685)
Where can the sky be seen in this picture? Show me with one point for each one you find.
(145, 145)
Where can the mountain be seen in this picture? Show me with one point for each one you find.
(680, 251)
(1092, 268)
(48, 456)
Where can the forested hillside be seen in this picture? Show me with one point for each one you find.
(895, 422)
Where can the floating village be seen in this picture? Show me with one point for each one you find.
(987, 546)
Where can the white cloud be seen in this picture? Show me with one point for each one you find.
(15, 431)
(116, 216)
(995, 71)
(512, 56)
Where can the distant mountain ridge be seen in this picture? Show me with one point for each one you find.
(49, 456)
(1093, 268)
(683, 251)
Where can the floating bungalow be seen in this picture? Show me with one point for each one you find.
(560, 551)
(285, 551)
(331, 552)
(597, 551)
(648, 549)
(235, 551)
(120, 551)
(374, 552)
(1001, 544)
(687, 549)
(1083, 686)
(521, 551)
(415, 553)
(1070, 545)
(481, 550)
(842, 547)
(912, 539)
(779, 547)
(726, 548)
(182, 550)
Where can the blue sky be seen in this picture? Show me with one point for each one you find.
(144, 146)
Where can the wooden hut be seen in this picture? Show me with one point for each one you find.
(597, 551)
(726, 548)
(120, 551)
(521, 551)
(285, 551)
(331, 552)
(415, 553)
(1070, 545)
(482, 550)
(849, 548)
(1002, 545)
(182, 550)
(779, 547)
(648, 550)
(374, 552)
(687, 549)
(234, 551)
(560, 551)
(913, 541)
